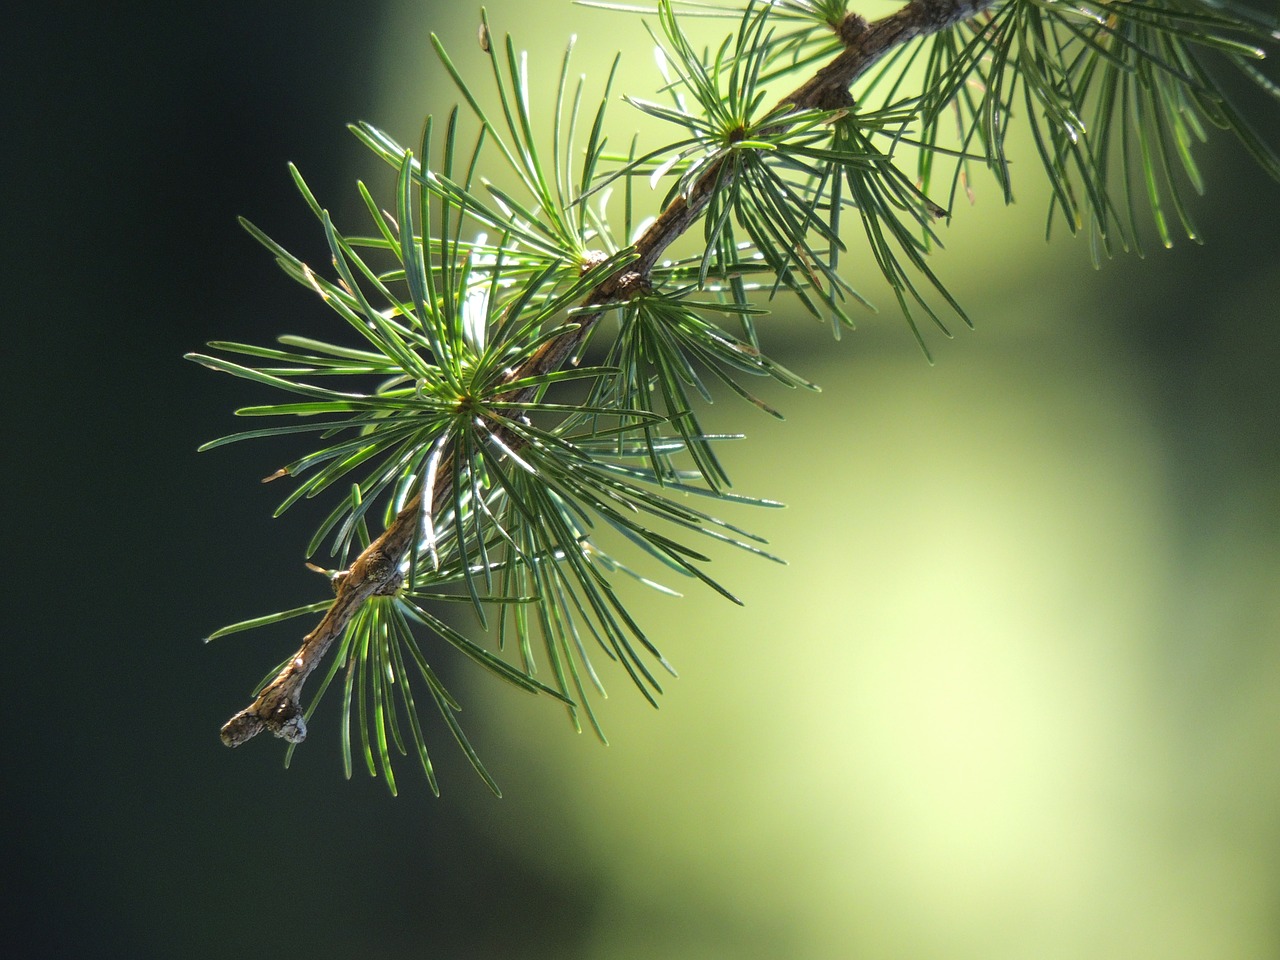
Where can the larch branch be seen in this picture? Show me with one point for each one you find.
(376, 570)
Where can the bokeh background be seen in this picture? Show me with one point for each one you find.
(1017, 693)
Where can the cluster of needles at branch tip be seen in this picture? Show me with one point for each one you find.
(506, 472)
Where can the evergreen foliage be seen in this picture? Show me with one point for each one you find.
(505, 475)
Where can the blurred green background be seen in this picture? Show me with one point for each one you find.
(1016, 694)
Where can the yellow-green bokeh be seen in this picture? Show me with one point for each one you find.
(1014, 694)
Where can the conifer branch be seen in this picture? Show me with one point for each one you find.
(497, 489)
(375, 571)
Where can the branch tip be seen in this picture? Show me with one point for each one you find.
(242, 727)
(285, 720)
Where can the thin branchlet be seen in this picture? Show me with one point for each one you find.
(376, 570)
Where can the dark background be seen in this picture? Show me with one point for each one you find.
(134, 137)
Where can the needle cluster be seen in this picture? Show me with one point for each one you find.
(470, 456)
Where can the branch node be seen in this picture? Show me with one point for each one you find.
(376, 568)
(590, 260)
(851, 28)
(940, 14)
(389, 588)
(633, 284)
(835, 98)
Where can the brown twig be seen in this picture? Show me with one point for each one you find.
(278, 706)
